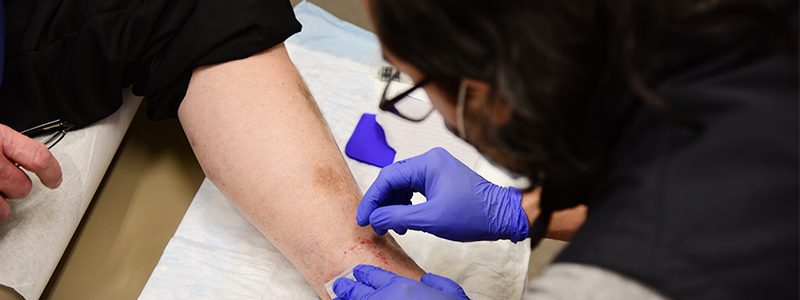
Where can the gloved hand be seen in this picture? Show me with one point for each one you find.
(375, 283)
(461, 206)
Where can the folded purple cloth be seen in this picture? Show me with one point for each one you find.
(368, 143)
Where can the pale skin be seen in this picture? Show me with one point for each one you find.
(261, 139)
(563, 223)
(29, 154)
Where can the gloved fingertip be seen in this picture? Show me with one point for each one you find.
(380, 220)
(379, 231)
(360, 271)
(373, 276)
(365, 209)
(362, 221)
(443, 284)
(432, 278)
(361, 267)
(342, 285)
(401, 231)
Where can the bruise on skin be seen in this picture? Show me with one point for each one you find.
(331, 177)
(336, 177)
(334, 180)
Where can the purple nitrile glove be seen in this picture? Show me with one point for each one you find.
(461, 206)
(375, 283)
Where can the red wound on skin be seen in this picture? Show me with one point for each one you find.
(382, 258)
(363, 243)
(366, 242)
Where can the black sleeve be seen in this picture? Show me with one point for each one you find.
(215, 32)
(68, 59)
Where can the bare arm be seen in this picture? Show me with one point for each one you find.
(261, 139)
(563, 223)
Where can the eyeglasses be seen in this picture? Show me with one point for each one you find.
(49, 133)
(408, 104)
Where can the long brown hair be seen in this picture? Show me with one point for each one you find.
(558, 64)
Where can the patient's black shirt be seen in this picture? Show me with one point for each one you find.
(69, 59)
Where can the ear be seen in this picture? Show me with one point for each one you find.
(478, 93)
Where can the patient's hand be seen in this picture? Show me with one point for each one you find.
(29, 154)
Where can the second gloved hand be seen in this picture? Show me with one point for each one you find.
(377, 284)
(461, 206)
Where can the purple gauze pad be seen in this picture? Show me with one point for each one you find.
(368, 143)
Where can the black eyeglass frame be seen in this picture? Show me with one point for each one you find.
(388, 104)
(58, 127)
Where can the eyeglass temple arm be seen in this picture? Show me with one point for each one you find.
(49, 126)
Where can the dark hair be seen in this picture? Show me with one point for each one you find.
(555, 63)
